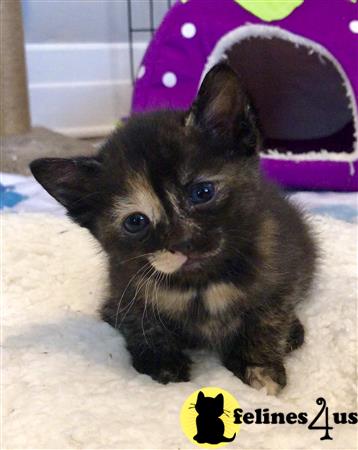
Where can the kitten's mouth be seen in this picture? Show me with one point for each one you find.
(197, 261)
(194, 262)
(169, 262)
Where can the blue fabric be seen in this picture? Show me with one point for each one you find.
(9, 197)
(340, 212)
(24, 194)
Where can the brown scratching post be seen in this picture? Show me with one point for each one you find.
(15, 117)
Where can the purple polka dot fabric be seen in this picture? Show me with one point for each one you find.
(191, 32)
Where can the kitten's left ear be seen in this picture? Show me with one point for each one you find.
(223, 110)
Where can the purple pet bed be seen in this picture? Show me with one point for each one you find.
(301, 70)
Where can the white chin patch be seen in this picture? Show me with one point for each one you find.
(167, 262)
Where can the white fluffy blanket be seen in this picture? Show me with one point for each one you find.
(68, 378)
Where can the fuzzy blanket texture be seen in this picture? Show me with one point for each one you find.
(68, 380)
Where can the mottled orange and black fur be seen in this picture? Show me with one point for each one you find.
(225, 273)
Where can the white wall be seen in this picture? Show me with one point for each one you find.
(78, 61)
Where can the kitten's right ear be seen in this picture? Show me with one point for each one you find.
(72, 182)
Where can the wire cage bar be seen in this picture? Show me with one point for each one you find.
(132, 30)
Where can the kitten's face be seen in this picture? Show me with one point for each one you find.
(176, 190)
(175, 198)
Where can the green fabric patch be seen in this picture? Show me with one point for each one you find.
(270, 10)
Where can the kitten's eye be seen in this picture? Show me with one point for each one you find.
(202, 192)
(136, 222)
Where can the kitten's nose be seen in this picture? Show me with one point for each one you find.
(185, 247)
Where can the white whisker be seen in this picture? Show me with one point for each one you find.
(136, 257)
(139, 286)
(125, 290)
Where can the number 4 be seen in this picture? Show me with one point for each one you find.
(324, 409)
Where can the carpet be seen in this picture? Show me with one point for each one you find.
(67, 377)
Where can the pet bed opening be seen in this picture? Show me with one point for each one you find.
(303, 101)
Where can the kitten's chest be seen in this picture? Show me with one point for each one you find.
(209, 313)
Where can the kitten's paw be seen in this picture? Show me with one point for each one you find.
(164, 367)
(271, 378)
(296, 336)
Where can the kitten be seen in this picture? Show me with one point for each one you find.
(210, 428)
(203, 251)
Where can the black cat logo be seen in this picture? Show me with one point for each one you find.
(210, 428)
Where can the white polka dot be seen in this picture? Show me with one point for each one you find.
(141, 72)
(169, 79)
(353, 26)
(188, 30)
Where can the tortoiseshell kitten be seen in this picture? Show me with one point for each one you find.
(203, 251)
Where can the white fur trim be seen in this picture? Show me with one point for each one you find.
(250, 31)
(68, 379)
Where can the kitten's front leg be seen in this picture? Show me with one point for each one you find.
(257, 371)
(154, 347)
(256, 354)
(164, 364)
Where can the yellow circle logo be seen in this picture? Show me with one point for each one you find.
(207, 417)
